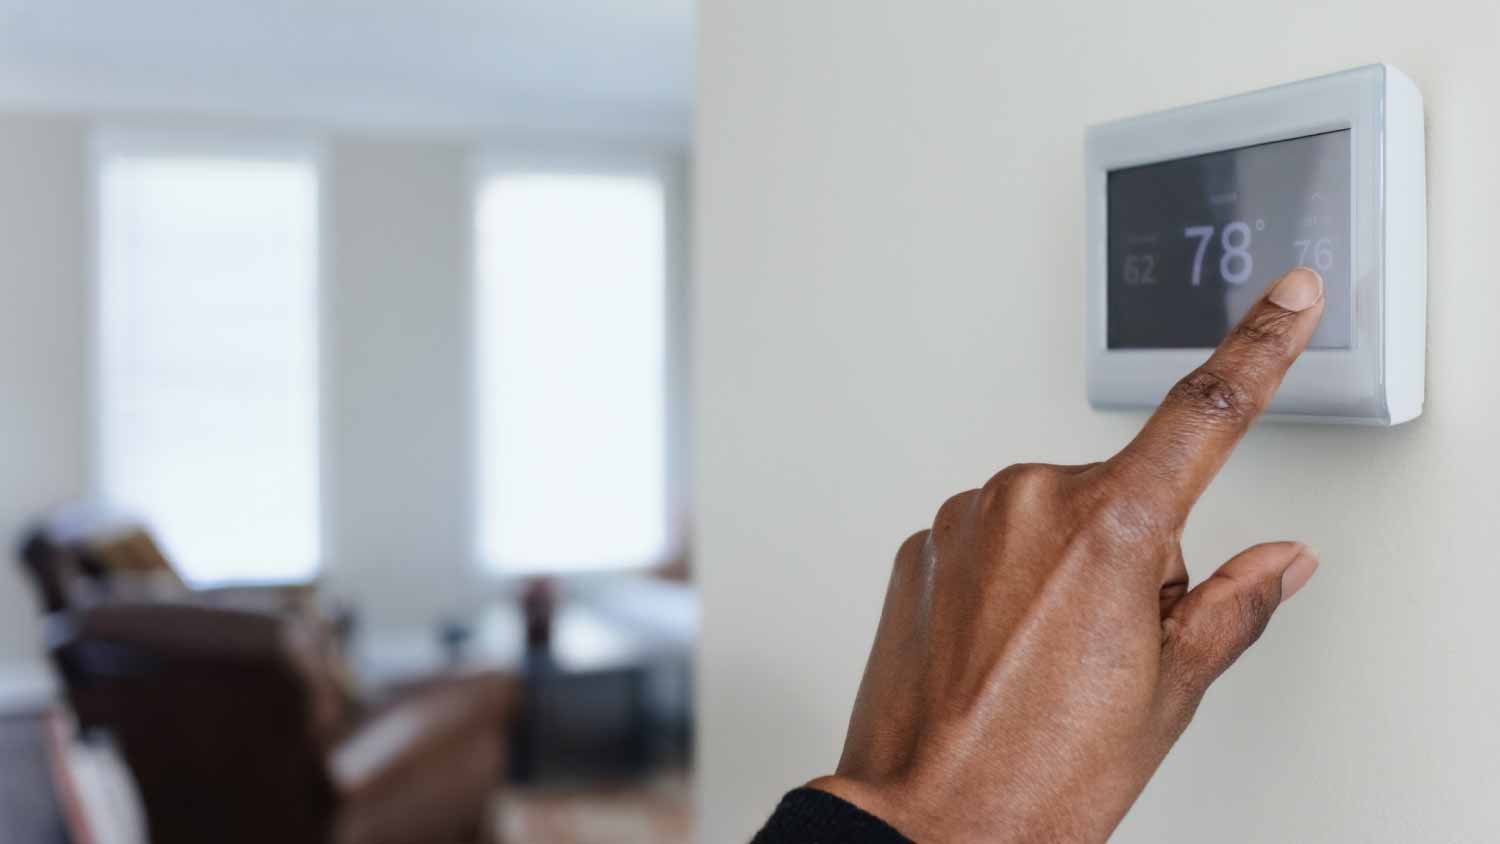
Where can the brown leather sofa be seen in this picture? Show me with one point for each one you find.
(85, 553)
(235, 713)
(237, 728)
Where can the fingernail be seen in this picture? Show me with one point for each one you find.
(1298, 290)
(1298, 573)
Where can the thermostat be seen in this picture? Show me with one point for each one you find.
(1193, 212)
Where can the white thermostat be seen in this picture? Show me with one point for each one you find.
(1193, 212)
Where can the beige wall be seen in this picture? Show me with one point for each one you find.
(890, 308)
(42, 320)
(397, 415)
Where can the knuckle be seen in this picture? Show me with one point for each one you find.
(1024, 484)
(1198, 659)
(953, 511)
(1268, 329)
(1253, 608)
(1188, 673)
(1223, 636)
(914, 544)
(1213, 395)
(912, 552)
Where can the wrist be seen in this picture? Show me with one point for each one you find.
(923, 815)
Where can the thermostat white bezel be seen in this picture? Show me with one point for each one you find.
(1380, 378)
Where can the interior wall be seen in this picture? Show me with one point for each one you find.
(397, 415)
(43, 231)
(890, 309)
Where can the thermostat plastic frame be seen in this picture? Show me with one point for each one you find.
(1380, 378)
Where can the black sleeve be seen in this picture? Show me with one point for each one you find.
(809, 816)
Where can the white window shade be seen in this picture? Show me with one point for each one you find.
(207, 360)
(571, 335)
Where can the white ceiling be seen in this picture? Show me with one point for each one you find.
(615, 66)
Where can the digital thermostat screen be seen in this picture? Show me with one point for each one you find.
(1195, 241)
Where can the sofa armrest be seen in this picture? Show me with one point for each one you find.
(274, 598)
(117, 643)
(182, 631)
(418, 732)
(211, 712)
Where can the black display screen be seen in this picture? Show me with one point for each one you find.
(1195, 241)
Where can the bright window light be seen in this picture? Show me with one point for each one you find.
(207, 359)
(570, 323)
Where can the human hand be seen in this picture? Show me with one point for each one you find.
(1040, 651)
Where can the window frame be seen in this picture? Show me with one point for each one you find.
(669, 165)
(209, 139)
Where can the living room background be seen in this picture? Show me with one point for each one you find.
(396, 391)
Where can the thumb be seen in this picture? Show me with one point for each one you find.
(1223, 616)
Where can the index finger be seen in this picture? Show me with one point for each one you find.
(1190, 436)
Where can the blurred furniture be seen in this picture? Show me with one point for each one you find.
(30, 808)
(237, 728)
(663, 617)
(96, 798)
(85, 553)
(27, 687)
(609, 689)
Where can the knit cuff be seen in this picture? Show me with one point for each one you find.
(810, 816)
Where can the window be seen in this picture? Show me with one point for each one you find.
(570, 325)
(207, 362)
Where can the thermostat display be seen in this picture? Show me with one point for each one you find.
(1194, 242)
(1193, 212)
